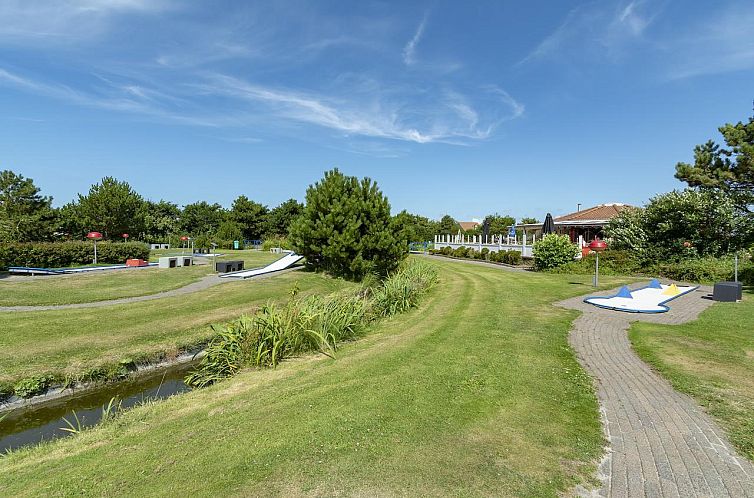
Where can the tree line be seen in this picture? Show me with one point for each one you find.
(112, 207)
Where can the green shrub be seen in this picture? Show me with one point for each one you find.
(513, 257)
(553, 250)
(26, 388)
(446, 251)
(485, 253)
(460, 252)
(63, 254)
(703, 270)
(271, 242)
(612, 262)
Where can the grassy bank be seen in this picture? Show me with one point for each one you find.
(75, 341)
(84, 288)
(474, 393)
(711, 359)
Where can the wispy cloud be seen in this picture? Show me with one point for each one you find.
(596, 29)
(246, 75)
(721, 44)
(67, 19)
(409, 50)
(449, 118)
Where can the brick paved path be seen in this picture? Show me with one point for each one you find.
(661, 442)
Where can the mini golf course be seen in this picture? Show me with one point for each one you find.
(651, 298)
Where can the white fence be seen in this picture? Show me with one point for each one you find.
(493, 243)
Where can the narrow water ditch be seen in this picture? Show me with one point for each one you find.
(30, 425)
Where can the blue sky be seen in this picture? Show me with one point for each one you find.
(459, 107)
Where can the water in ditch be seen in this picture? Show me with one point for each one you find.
(45, 421)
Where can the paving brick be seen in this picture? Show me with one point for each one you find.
(661, 443)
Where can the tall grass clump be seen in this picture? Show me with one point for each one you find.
(311, 324)
(403, 289)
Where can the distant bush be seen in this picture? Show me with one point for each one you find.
(460, 252)
(704, 270)
(63, 254)
(612, 262)
(553, 250)
(271, 242)
(513, 257)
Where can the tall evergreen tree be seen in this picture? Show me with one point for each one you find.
(25, 215)
(250, 215)
(202, 218)
(728, 170)
(280, 218)
(448, 225)
(346, 228)
(161, 219)
(113, 208)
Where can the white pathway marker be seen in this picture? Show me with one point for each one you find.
(648, 299)
(283, 263)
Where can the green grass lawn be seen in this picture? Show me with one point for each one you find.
(475, 393)
(711, 359)
(84, 288)
(73, 341)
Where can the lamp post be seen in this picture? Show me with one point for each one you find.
(597, 246)
(95, 236)
(125, 237)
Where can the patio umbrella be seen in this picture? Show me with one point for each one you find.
(548, 226)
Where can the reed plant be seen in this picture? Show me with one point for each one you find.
(314, 323)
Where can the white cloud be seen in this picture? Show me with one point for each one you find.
(409, 51)
(448, 118)
(67, 19)
(721, 44)
(597, 29)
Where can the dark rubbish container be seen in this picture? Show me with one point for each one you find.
(727, 292)
(228, 266)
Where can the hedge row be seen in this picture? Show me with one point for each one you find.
(702, 270)
(511, 257)
(64, 254)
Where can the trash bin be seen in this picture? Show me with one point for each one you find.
(727, 292)
(228, 266)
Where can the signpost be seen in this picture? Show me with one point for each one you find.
(95, 236)
(597, 246)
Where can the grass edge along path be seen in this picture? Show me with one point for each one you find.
(115, 284)
(475, 393)
(712, 360)
(93, 344)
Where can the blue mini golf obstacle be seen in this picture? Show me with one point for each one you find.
(648, 299)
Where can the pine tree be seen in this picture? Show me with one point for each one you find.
(346, 228)
(731, 170)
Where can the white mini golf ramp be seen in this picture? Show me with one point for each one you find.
(283, 263)
(648, 299)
